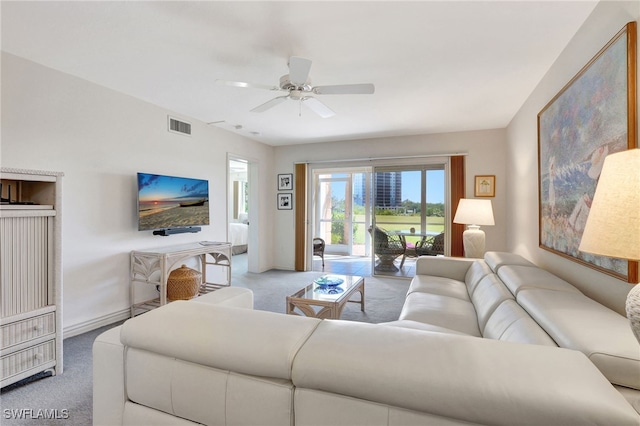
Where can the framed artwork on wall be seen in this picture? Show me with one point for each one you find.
(285, 201)
(591, 117)
(285, 182)
(485, 186)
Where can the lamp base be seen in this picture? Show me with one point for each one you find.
(633, 310)
(473, 241)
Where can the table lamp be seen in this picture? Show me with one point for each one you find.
(473, 213)
(613, 225)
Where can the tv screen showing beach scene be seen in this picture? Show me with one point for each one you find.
(166, 202)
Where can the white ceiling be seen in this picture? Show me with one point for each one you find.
(438, 66)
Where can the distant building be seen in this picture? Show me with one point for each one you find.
(388, 189)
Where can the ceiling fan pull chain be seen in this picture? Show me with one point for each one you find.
(300, 108)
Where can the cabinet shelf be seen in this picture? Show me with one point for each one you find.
(26, 207)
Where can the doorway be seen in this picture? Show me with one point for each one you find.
(238, 215)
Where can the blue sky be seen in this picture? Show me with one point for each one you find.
(435, 186)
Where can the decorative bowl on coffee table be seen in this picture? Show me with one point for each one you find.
(328, 284)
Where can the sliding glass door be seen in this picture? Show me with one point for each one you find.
(409, 215)
(406, 203)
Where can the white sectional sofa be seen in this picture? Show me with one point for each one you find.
(506, 297)
(476, 343)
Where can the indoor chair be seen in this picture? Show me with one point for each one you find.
(318, 249)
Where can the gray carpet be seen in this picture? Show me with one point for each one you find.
(69, 393)
(72, 390)
(383, 296)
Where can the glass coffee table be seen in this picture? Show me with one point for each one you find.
(326, 296)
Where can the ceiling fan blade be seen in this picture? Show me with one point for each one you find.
(318, 107)
(345, 89)
(246, 85)
(270, 104)
(299, 70)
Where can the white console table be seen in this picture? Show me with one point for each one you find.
(152, 267)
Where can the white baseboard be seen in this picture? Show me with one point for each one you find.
(90, 325)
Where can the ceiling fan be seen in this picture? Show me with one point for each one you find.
(299, 88)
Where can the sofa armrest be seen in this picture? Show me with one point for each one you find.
(108, 378)
(235, 297)
(109, 395)
(250, 342)
(447, 267)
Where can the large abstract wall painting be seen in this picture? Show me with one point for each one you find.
(593, 115)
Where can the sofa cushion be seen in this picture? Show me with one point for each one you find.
(439, 285)
(457, 377)
(477, 271)
(576, 322)
(498, 259)
(489, 293)
(511, 323)
(442, 311)
(518, 277)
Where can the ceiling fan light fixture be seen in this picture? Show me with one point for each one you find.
(296, 94)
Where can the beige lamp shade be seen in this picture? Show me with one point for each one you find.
(613, 225)
(472, 211)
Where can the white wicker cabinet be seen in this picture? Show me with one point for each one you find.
(30, 274)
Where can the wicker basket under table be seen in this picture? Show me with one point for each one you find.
(183, 283)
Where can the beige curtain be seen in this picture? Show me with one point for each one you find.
(457, 192)
(300, 203)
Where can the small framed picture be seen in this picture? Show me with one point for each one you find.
(485, 186)
(285, 201)
(285, 182)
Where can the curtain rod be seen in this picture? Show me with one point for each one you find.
(404, 157)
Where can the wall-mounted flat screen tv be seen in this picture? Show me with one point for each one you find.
(170, 202)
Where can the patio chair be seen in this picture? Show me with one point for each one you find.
(318, 249)
(431, 246)
(388, 247)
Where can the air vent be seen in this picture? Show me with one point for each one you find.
(177, 126)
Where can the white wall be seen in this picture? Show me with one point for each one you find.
(100, 138)
(486, 151)
(522, 189)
